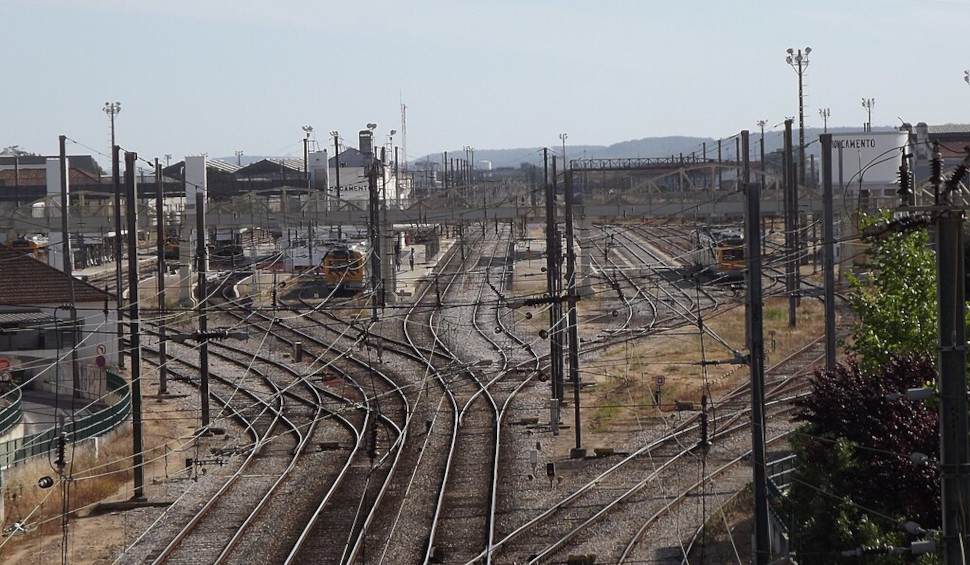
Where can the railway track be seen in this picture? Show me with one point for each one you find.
(430, 464)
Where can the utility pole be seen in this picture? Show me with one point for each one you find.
(756, 352)
(336, 170)
(136, 423)
(558, 332)
(799, 62)
(373, 168)
(791, 242)
(200, 258)
(68, 263)
(828, 250)
(577, 452)
(160, 273)
(761, 124)
(954, 446)
(116, 180)
(550, 284)
(825, 113)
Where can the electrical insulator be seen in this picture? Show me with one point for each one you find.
(61, 461)
(959, 173)
(905, 191)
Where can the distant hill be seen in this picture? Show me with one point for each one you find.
(647, 147)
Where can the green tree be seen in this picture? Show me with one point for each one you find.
(855, 482)
(893, 294)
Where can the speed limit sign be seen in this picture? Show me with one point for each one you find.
(101, 349)
(661, 380)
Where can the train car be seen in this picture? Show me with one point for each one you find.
(718, 252)
(35, 245)
(345, 266)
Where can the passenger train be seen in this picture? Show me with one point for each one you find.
(718, 252)
(345, 266)
(35, 245)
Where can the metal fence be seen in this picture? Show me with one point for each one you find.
(18, 450)
(11, 413)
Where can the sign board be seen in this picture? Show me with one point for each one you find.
(99, 361)
(867, 157)
(4, 364)
(661, 380)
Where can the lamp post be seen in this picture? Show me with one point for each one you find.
(825, 113)
(868, 103)
(762, 124)
(469, 161)
(112, 109)
(799, 63)
(307, 129)
(562, 137)
(336, 168)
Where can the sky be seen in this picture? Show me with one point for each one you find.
(220, 76)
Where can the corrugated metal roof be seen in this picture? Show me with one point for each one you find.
(221, 165)
(19, 318)
(949, 128)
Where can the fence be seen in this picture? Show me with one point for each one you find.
(10, 414)
(18, 450)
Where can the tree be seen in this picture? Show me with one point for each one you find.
(893, 294)
(856, 481)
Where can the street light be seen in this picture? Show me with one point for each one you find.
(112, 109)
(868, 103)
(799, 63)
(562, 137)
(307, 129)
(762, 124)
(825, 113)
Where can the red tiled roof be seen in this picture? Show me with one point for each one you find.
(38, 177)
(25, 281)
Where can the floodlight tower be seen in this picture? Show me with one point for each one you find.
(799, 63)
(307, 129)
(825, 113)
(112, 109)
(762, 124)
(562, 137)
(868, 103)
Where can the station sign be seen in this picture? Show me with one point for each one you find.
(867, 157)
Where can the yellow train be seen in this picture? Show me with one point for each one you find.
(345, 266)
(35, 245)
(718, 252)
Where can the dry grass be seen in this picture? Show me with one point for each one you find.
(94, 477)
(626, 374)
